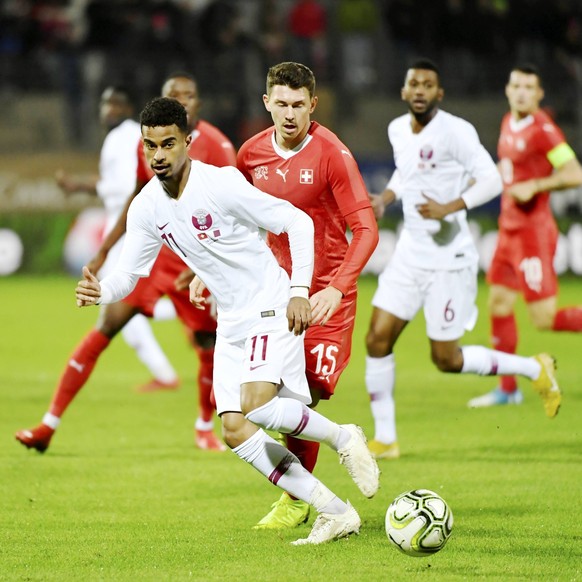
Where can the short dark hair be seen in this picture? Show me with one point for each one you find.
(293, 75)
(122, 92)
(528, 69)
(425, 65)
(163, 112)
(180, 75)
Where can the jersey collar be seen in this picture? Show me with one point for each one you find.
(286, 154)
(518, 124)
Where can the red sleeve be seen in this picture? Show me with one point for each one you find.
(365, 236)
(241, 162)
(222, 154)
(144, 174)
(549, 136)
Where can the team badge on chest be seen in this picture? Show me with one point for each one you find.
(306, 176)
(202, 221)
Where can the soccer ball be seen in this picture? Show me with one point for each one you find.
(419, 522)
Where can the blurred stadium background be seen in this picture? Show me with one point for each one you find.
(56, 56)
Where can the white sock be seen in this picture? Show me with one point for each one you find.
(205, 425)
(292, 417)
(380, 378)
(51, 420)
(283, 469)
(164, 309)
(486, 362)
(138, 335)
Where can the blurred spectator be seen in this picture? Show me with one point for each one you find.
(308, 30)
(357, 23)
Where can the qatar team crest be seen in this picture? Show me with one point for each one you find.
(201, 219)
(426, 153)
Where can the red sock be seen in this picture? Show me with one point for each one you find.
(305, 451)
(504, 339)
(568, 319)
(206, 401)
(78, 370)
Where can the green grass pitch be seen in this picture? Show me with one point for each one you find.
(122, 494)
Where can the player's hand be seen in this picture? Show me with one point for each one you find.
(523, 191)
(184, 279)
(324, 304)
(432, 209)
(298, 314)
(97, 262)
(378, 205)
(197, 288)
(65, 182)
(88, 290)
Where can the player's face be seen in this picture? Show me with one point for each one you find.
(185, 92)
(113, 109)
(291, 111)
(165, 149)
(421, 91)
(524, 93)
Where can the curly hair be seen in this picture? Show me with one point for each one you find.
(162, 112)
(293, 75)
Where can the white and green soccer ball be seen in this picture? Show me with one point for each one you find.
(419, 522)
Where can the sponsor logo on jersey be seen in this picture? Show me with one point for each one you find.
(162, 227)
(306, 176)
(282, 174)
(201, 219)
(261, 172)
(270, 313)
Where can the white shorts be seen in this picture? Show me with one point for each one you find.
(270, 353)
(448, 297)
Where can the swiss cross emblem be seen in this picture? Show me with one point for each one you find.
(306, 177)
(261, 172)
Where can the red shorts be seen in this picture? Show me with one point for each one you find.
(524, 261)
(328, 348)
(161, 282)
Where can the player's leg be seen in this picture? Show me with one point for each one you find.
(504, 336)
(257, 448)
(397, 300)
(383, 332)
(449, 311)
(201, 329)
(504, 284)
(138, 335)
(270, 458)
(540, 369)
(327, 354)
(545, 315)
(79, 367)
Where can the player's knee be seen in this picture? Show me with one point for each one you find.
(234, 429)
(377, 345)
(204, 339)
(447, 362)
(543, 320)
(499, 305)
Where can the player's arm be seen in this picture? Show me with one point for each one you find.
(567, 174)
(71, 184)
(115, 233)
(381, 201)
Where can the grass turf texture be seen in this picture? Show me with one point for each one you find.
(122, 494)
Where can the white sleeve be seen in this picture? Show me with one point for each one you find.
(395, 184)
(275, 215)
(300, 231)
(117, 179)
(138, 254)
(469, 151)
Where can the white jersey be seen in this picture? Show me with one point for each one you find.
(216, 228)
(438, 162)
(117, 168)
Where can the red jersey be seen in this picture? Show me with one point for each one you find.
(322, 179)
(208, 145)
(523, 155)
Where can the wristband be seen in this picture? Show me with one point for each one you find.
(299, 292)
